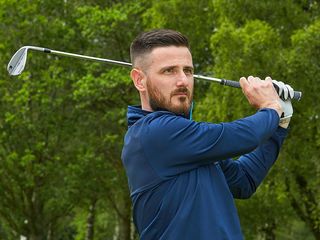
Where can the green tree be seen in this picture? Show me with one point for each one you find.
(62, 121)
(242, 46)
(302, 180)
(61, 136)
(35, 123)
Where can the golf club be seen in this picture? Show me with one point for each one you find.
(18, 62)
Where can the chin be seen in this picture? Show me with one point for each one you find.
(180, 108)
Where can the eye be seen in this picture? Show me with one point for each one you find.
(188, 71)
(168, 70)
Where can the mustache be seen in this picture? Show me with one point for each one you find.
(183, 90)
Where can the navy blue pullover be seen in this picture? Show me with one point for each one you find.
(181, 176)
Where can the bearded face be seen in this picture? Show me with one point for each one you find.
(164, 78)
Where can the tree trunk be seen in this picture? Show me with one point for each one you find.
(125, 219)
(91, 220)
(34, 237)
(268, 231)
(49, 235)
(35, 223)
(305, 205)
(134, 232)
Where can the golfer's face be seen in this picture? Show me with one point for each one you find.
(170, 79)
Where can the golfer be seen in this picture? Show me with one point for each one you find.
(182, 174)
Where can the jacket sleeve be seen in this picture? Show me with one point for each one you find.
(245, 174)
(175, 144)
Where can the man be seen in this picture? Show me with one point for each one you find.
(181, 176)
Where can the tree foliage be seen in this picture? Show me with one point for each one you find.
(63, 120)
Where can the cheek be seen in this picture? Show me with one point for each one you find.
(165, 88)
(191, 83)
(191, 86)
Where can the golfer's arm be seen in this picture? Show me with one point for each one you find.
(246, 174)
(179, 145)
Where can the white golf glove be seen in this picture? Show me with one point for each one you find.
(285, 93)
(287, 109)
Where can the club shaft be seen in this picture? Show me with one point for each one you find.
(46, 50)
(297, 94)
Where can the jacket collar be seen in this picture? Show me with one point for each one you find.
(136, 112)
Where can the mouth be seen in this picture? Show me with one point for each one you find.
(181, 93)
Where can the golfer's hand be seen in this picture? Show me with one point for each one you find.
(261, 94)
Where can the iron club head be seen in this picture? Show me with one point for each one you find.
(18, 61)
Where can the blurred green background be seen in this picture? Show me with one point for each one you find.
(62, 121)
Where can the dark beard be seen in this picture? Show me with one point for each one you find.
(158, 102)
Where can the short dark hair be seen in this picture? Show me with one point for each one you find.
(147, 41)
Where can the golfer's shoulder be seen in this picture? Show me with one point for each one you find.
(165, 121)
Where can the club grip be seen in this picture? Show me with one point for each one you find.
(296, 94)
(230, 83)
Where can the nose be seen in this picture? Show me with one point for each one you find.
(182, 79)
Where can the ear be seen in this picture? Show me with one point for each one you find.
(138, 78)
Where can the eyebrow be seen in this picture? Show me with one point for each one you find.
(175, 66)
(189, 67)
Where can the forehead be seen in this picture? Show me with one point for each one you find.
(172, 55)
